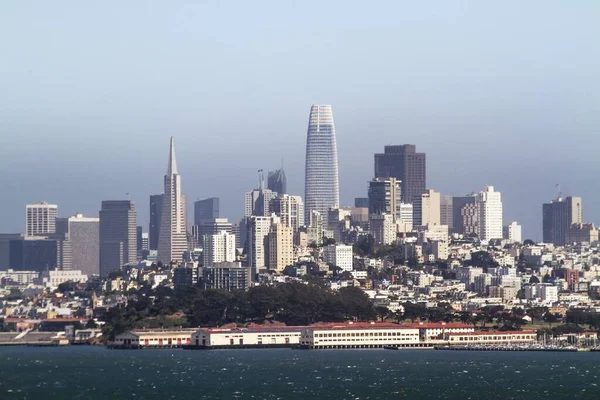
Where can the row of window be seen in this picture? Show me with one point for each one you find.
(375, 339)
(360, 334)
(475, 338)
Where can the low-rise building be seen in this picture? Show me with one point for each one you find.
(359, 335)
(216, 338)
(491, 337)
(154, 338)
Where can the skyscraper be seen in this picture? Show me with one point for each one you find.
(489, 206)
(277, 182)
(172, 241)
(385, 197)
(290, 209)
(118, 244)
(206, 210)
(321, 182)
(558, 216)
(40, 219)
(406, 165)
(156, 206)
(218, 247)
(258, 231)
(84, 235)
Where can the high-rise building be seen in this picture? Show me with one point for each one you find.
(210, 228)
(446, 211)
(206, 210)
(258, 202)
(512, 232)
(40, 254)
(277, 181)
(156, 206)
(145, 242)
(406, 217)
(489, 206)
(314, 232)
(339, 255)
(558, 216)
(118, 244)
(5, 239)
(84, 235)
(280, 243)
(219, 247)
(385, 197)
(258, 231)
(406, 165)
(338, 222)
(383, 228)
(290, 209)
(321, 182)
(40, 219)
(138, 239)
(427, 209)
(172, 241)
(458, 222)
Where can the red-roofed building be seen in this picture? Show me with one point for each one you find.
(436, 330)
(491, 337)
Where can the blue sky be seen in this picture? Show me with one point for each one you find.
(501, 93)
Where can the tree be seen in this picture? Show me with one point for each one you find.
(551, 318)
(528, 242)
(534, 279)
(382, 312)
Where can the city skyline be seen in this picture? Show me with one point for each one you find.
(481, 101)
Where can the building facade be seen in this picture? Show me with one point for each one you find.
(339, 255)
(385, 196)
(290, 209)
(118, 242)
(230, 276)
(280, 243)
(219, 247)
(407, 166)
(40, 219)
(558, 216)
(321, 183)
(156, 206)
(84, 235)
(172, 243)
(489, 204)
(277, 181)
(206, 210)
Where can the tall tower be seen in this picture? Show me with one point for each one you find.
(40, 219)
(321, 182)
(117, 235)
(489, 207)
(406, 165)
(172, 241)
(156, 206)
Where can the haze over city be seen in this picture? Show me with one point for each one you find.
(504, 94)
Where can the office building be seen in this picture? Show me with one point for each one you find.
(461, 224)
(218, 247)
(558, 216)
(40, 219)
(446, 211)
(156, 206)
(489, 207)
(258, 201)
(277, 181)
(338, 222)
(230, 276)
(84, 235)
(427, 209)
(314, 232)
(407, 166)
(290, 209)
(206, 210)
(172, 241)
(383, 228)
(211, 228)
(118, 244)
(321, 182)
(581, 233)
(258, 231)
(5, 239)
(40, 254)
(339, 255)
(512, 232)
(385, 197)
(280, 242)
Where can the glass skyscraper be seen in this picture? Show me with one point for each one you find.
(321, 185)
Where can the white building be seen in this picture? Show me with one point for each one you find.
(20, 277)
(247, 337)
(218, 248)
(339, 255)
(512, 232)
(258, 201)
(290, 209)
(155, 338)
(430, 208)
(359, 335)
(40, 219)
(489, 206)
(54, 278)
(383, 228)
(258, 231)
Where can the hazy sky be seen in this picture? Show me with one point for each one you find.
(502, 93)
